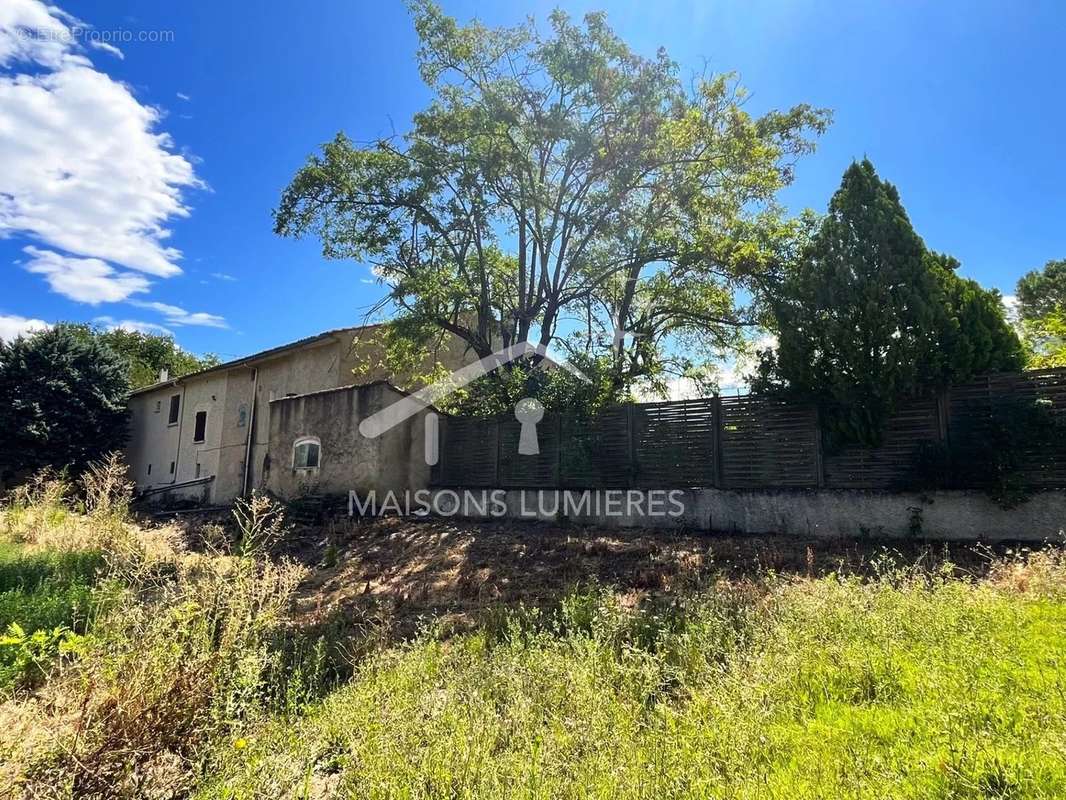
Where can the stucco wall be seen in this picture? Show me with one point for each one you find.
(237, 401)
(348, 460)
(934, 515)
(309, 369)
(152, 440)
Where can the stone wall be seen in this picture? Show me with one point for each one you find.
(348, 461)
(953, 515)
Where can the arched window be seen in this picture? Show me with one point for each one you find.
(305, 453)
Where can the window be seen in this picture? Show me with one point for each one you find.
(158, 405)
(175, 403)
(171, 467)
(200, 428)
(149, 469)
(197, 470)
(305, 453)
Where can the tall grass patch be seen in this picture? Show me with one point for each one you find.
(909, 686)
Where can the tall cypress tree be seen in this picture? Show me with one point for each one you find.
(973, 335)
(868, 316)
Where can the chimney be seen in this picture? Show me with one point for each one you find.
(164, 375)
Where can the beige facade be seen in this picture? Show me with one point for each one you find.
(347, 460)
(168, 460)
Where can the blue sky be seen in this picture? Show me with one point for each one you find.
(958, 103)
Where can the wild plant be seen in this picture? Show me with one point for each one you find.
(106, 487)
(260, 522)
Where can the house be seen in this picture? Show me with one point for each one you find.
(207, 436)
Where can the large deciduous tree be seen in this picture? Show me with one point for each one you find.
(1042, 314)
(560, 188)
(868, 316)
(1041, 292)
(62, 401)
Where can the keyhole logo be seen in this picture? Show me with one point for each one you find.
(529, 412)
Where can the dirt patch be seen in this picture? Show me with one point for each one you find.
(412, 571)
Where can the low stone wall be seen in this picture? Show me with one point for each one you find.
(953, 515)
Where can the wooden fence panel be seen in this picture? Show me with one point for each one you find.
(596, 453)
(891, 465)
(674, 444)
(468, 452)
(741, 442)
(540, 471)
(973, 405)
(768, 443)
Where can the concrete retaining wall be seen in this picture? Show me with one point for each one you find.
(933, 515)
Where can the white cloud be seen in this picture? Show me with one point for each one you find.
(222, 276)
(183, 96)
(733, 375)
(31, 31)
(108, 48)
(83, 167)
(84, 280)
(12, 326)
(175, 315)
(132, 325)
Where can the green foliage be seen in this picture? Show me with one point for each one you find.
(973, 337)
(557, 389)
(1045, 339)
(182, 648)
(1042, 315)
(25, 658)
(868, 317)
(911, 686)
(144, 354)
(46, 599)
(557, 180)
(62, 401)
(194, 681)
(1040, 292)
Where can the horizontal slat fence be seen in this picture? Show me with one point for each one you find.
(768, 442)
(853, 467)
(744, 442)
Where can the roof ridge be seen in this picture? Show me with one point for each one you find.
(245, 360)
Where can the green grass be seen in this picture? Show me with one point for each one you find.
(194, 681)
(41, 590)
(827, 688)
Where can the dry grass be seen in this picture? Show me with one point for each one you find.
(179, 651)
(488, 660)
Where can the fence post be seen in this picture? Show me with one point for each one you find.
(819, 464)
(630, 448)
(499, 442)
(559, 450)
(716, 425)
